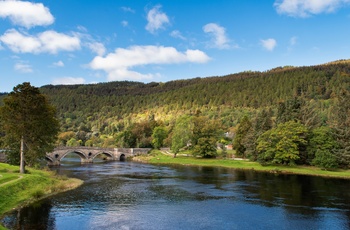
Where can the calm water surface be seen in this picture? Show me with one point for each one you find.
(128, 195)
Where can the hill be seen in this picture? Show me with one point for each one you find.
(102, 104)
(98, 111)
(287, 115)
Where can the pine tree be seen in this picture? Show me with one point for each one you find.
(340, 123)
(28, 118)
(238, 143)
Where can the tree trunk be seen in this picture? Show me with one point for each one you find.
(21, 165)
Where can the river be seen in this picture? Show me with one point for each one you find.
(129, 195)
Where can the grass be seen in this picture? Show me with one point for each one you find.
(157, 157)
(17, 190)
(7, 177)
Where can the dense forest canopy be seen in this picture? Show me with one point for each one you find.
(226, 97)
(110, 114)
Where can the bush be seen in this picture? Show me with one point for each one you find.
(325, 159)
(38, 193)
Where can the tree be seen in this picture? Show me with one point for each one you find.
(158, 136)
(322, 148)
(259, 125)
(28, 118)
(341, 126)
(289, 110)
(181, 134)
(244, 126)
(205, 135)
(281, 145)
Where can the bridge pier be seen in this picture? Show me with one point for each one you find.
(54, 163)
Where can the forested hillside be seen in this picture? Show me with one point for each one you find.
(107, 106)
(127, 113)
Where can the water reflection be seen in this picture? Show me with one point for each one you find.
(125, 195)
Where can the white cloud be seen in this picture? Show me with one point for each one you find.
(58, 64)
(46, 42)
(218, 33)
(118, 64)
(156, 19)
(269, 44)
(53, 42)
(293, 41)
(127, 9)
(27, 14)
(97, 48)
(177, 34)
(82, 29)
(68, 81)
(306, 8)
(125, 23)
(23, 67)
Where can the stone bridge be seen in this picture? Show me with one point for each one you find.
(88, 154)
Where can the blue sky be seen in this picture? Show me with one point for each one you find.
(90, 41)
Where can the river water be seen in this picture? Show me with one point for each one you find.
(129, 195)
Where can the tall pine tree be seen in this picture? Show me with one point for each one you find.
(29, 121)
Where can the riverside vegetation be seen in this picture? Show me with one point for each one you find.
(278, 119)
(284, 116)
(160, 157)
(20, 189)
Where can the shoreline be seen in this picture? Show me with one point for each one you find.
(20, 190)
(157, 157)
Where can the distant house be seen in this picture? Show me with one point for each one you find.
(228, 147)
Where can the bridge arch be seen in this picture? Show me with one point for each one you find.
(110, 155)
(49, 159)
(122, 157)
(79, 153)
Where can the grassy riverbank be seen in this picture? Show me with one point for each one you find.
(157, 157)
(20, 189)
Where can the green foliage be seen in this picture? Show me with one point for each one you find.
(181, 133)
(260, 124)
(288, 110)
(325, 159)
(28, 117)
(340, 123)
(111, 108)
(206, 147)
(28, 187)
(126, 139)
(73, 142)
(298, 109)
(158, 158)
(242, 131)
(322, 148)
(281, 145)
(205, 135)
(128, 112)
(158, 136)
